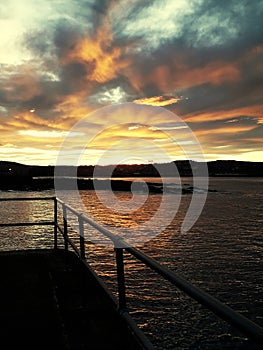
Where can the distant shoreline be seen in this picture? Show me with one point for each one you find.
(185, 168)
(127, 184)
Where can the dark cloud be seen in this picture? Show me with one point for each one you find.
(254, 135)
(55, 40)
(65, 38)
(196, 44)
(73, 77)
(220, 24)
(215, 31)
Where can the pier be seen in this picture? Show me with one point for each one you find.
(50, 301)
(51, 298)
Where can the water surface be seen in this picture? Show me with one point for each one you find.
(222, 254)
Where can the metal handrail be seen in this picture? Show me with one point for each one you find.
(12, 199)
(234, 318)
(147, 345)
(241, 323)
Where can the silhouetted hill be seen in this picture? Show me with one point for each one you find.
(215, 168)
(10, 170)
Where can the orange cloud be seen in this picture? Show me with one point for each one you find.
(233, 129)
(158, 100)
(178, 74)
(213, 73)
(117, 133)
(251, 111)
(104, 61)
(27, 119)
(71, 109)
(69, 112)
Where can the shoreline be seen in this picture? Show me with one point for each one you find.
(126, 184)
(67, 183)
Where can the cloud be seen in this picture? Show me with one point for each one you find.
(108, 96)
(43, 134)
(158, 100)
(103, 60)
(199, 59)
(252, 111)
(143, 19)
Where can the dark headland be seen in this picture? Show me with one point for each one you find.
(16, 176)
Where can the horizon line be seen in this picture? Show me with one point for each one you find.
(135, 164)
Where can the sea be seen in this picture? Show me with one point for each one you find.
(221, 254)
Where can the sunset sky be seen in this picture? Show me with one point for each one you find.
(62, 60)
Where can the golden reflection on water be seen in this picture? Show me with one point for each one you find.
(23, 237)
(109, 216)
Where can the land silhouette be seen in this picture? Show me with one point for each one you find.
(17, 176)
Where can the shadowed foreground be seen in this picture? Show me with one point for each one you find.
(52, 301)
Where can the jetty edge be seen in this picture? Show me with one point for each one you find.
(50, 300)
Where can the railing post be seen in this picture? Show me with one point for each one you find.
(55, 223)
(65, 224)
(120, 278)
(81, 237)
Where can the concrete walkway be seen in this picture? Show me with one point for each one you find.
(49, 301)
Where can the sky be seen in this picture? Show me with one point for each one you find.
(199, 62)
